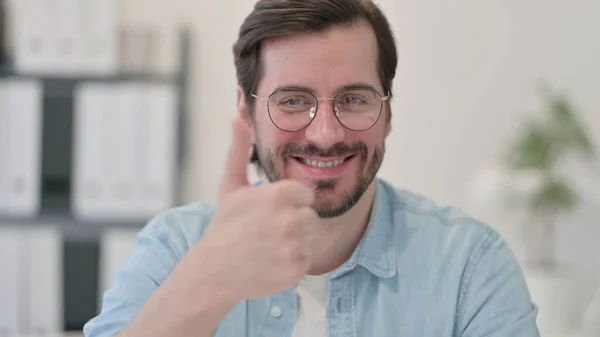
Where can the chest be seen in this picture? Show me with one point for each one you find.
(353, 306)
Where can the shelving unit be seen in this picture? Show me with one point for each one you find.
(79, 271)
(58, 106)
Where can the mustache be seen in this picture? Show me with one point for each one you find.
(337, 150)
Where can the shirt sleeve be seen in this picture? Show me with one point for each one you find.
(495, 300)
(151, 263)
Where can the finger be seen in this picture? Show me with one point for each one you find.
(309, 222)
(309, 233)
(293, 192)
(236, 164)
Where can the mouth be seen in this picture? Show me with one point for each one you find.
(323, 168)
(322, 162)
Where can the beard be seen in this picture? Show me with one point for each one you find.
(328, 208)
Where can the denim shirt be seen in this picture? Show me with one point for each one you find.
(419, 270)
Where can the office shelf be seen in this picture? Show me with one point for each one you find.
(57, 149)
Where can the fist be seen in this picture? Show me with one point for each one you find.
(260, 235)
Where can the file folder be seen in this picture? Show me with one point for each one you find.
(123, 165)
(125, 150)
(43, 249)
(11, 294)
(66, 45)
(93, 104)
(4, 148)
(33, 35)
(20, 147)
(158, 148)
(25, 100)
(66, 37)
(99, 34)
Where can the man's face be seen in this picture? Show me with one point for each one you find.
(346, 161)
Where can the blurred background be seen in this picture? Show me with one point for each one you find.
(112, 111)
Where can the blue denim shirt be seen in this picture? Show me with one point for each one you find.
(419, 270)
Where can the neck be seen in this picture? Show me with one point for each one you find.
(337, 238)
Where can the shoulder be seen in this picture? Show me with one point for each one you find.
(180, 227)
(421, 225)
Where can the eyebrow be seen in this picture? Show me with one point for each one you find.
(350, 86)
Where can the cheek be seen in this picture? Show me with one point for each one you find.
(372, 138)
(273, 139)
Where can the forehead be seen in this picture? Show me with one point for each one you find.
(322, 61)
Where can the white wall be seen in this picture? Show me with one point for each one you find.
(468, 73)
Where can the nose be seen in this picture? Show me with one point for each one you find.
(325, 130)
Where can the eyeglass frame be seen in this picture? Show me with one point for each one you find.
(316, 108)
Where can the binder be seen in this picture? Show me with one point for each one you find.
(4, 148)
(106, 152)
(125, 150)
(66, 37)
(124, 143)
(24, 157)
(20, 147)
(33, 35)
(43, 250)
(99, 35)
(11, 305)
(90, 153)
(158, 148)
(66, 45)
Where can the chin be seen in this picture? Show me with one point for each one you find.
(334, 198)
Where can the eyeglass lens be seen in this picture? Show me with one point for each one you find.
(292, 110)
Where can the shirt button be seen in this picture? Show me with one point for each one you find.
(276, 311)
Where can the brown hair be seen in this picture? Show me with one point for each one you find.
(279, 18)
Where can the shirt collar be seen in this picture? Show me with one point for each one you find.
(376, 251)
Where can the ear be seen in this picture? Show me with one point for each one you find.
(388, 128)
(244, 110)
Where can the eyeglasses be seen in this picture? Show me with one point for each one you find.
(293, 110)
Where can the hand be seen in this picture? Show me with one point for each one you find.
(260, 235)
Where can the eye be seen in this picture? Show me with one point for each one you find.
(353, 100)
(293, 101)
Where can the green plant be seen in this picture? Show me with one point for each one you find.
(540, 149)
(542, 146)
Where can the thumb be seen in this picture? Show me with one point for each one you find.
(236, 165)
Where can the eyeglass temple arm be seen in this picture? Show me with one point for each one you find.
(261, 98)
(385, 98)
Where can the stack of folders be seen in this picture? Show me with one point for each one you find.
(125, 146)
(31, 286)
(66, 36)
(20, 147)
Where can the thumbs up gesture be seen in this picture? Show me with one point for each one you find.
(260, 236)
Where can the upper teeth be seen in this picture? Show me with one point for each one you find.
(323, 164)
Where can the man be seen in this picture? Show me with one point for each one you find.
(322, 247)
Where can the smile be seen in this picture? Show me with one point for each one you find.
(322, 167)
(322, 163)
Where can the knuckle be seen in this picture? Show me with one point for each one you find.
(281, 192)
(293, 219)
(309, 215)
(289, 224)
